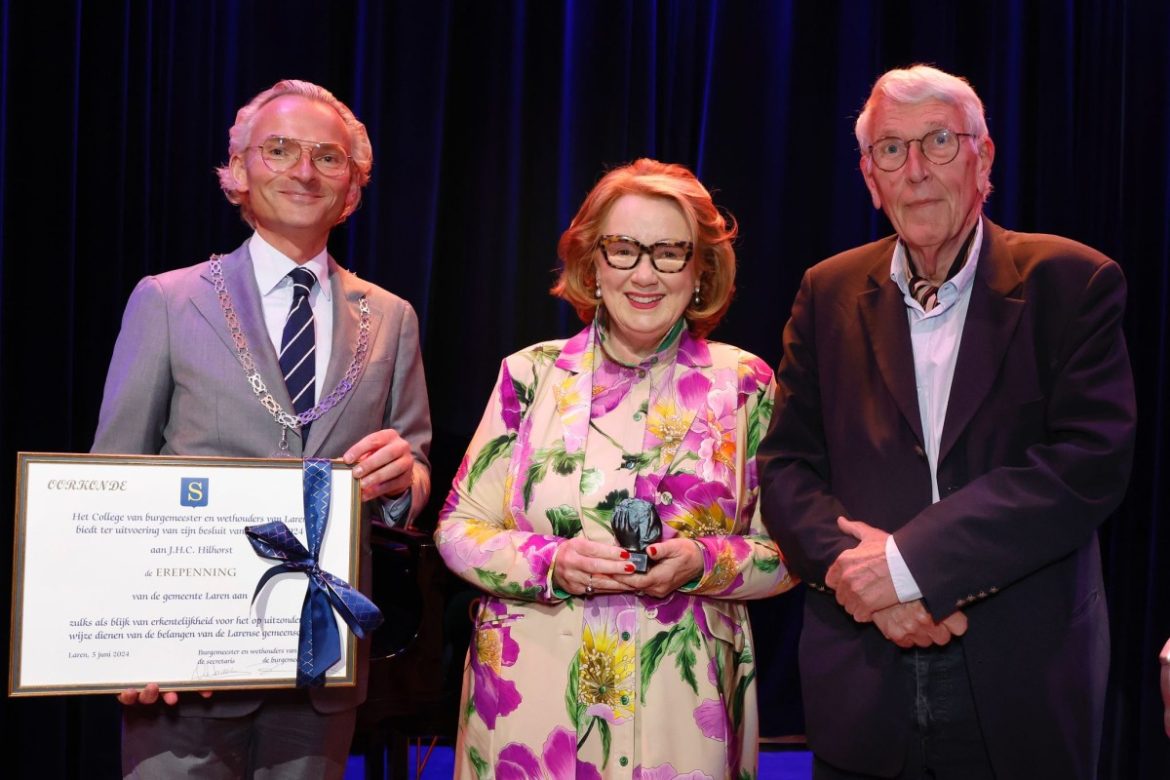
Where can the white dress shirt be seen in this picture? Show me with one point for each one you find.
(276, 295)
(935, 338)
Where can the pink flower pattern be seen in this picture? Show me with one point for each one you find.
(568, 431)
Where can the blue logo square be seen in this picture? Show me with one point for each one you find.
(193, 491)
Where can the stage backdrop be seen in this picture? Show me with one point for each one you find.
(490, 121)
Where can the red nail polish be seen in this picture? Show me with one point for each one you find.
(652, 550)
(625, 554)
(629, 568)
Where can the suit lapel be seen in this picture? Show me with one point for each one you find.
(883, 316)
(347, 291)
(992, 317)
(240, 282)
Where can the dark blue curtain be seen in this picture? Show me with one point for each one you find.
(490, 122)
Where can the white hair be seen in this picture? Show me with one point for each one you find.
(918, 84)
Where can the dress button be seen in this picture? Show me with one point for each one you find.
(641, 373)
(623, 761)
(625, 636)
(625, 700)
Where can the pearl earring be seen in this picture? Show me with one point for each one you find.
(696, 299)
(597, 290)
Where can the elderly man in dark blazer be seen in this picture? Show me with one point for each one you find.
(954, 419)
(338, 360)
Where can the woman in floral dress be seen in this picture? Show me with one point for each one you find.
(580, 666)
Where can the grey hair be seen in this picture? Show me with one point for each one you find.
(918, 84)
(240, 137)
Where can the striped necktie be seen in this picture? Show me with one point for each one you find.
(298, 345)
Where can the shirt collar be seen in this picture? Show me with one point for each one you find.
(900, 267)
(272, 266)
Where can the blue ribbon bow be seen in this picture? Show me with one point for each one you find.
(319, 646)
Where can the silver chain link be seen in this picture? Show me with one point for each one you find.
(244, 355)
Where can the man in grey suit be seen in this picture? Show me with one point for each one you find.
(177, 384)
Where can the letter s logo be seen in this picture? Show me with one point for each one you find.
(193, 491)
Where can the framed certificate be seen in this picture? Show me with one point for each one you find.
(136, 569)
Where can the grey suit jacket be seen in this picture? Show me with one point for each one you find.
(175, 386)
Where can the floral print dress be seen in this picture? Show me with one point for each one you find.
(620, 686)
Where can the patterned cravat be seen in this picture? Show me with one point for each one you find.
(926, 293)
(298, 345)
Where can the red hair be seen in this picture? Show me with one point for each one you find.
(713, 234)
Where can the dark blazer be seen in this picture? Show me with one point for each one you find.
(176, 387)
(1035, 453)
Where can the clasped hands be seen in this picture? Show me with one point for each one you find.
(861, 579)
(584, 567)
